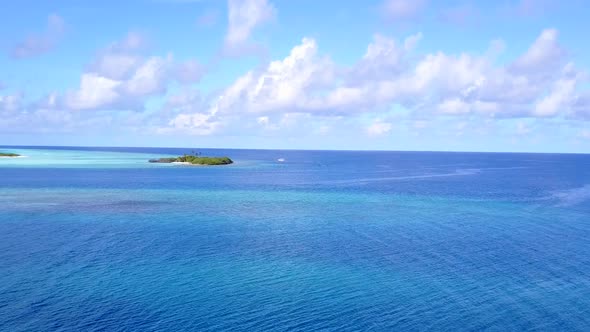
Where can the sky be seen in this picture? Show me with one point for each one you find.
(421, 75)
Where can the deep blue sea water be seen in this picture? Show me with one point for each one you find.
(97, 239)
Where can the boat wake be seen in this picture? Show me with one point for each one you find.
(459, 172)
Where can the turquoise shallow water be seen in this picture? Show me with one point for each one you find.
(98, 239)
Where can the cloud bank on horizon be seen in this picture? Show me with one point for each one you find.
(394, 74)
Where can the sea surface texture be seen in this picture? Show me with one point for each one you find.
(97, 239)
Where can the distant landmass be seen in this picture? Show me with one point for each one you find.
(195, 160)
(9, 155)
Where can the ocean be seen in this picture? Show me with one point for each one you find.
(98, 239)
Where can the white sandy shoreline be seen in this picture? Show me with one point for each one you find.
(186, 163)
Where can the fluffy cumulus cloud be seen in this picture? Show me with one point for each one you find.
(543, 55)
(560, 98)
(307, 90)
(185, 112)
(285, 85)
(40, 43)
(194, 124)
(539, 83)
(123, 78)
(119, 59)
(18, 116)
(119, 81)
(243, 17)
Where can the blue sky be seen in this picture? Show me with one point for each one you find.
(360, 75)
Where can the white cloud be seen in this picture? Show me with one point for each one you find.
(121, 78)
(194, 124)
(185, 112)
(120, 59)
(150, 78)
(384, 58)
(21, 117)
(464, 84)
(244, 16)
(305, 88)
(284, 85)
(454, 106)
(116, 66)
(379, 128)
(545, 53)
(267, 124)
(559, 99)
(37, 44)
(95, 91)
(133, 41)
(98, 91)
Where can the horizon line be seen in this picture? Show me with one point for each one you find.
(73, 147)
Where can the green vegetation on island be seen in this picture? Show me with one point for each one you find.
(195, 160)
(4, 154)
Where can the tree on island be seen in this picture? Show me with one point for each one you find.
(195, 160)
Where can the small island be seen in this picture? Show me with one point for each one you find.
(9, 155)
(195, 160)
